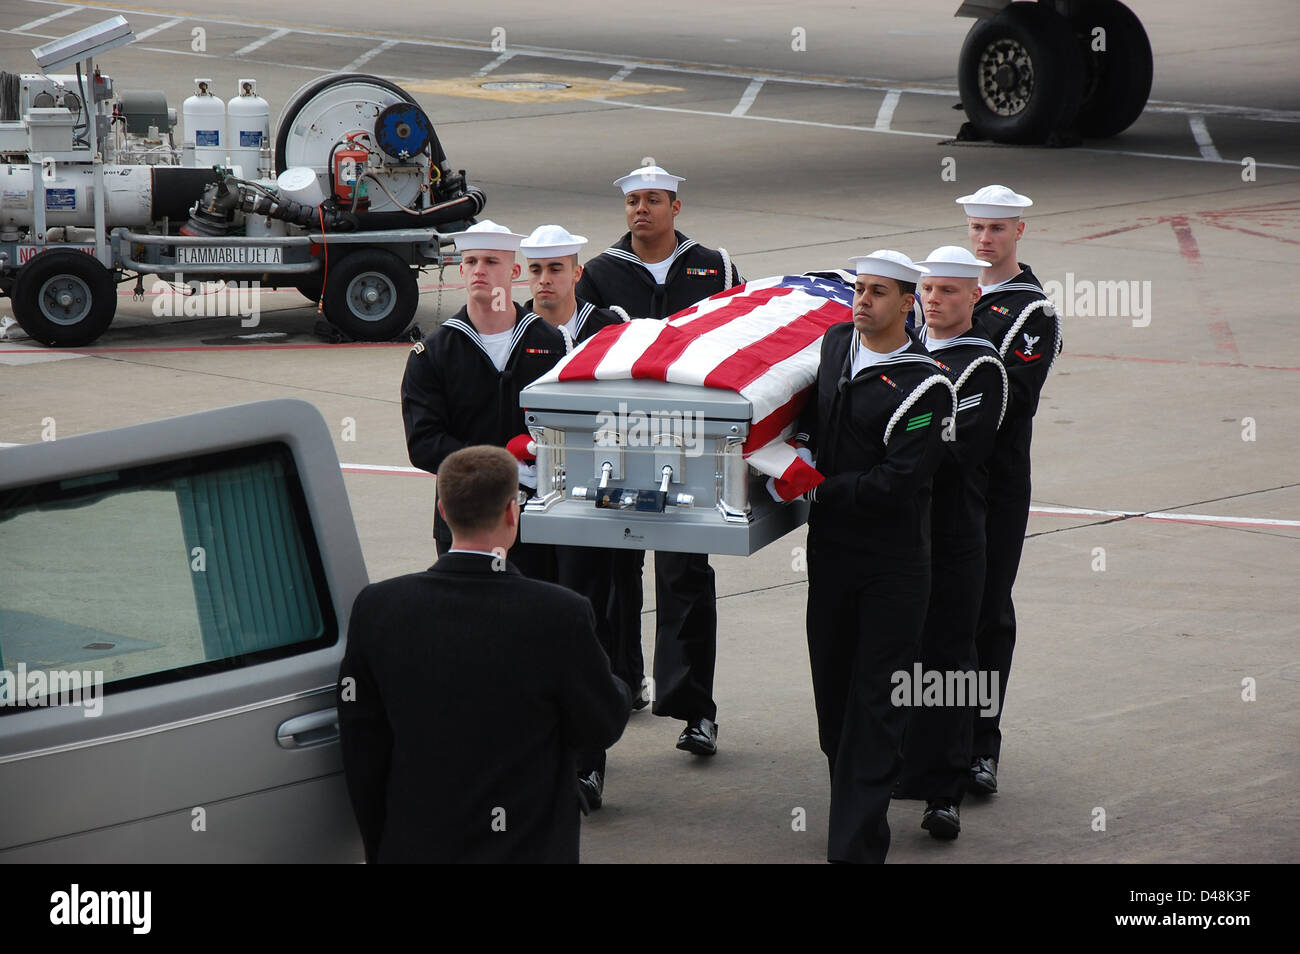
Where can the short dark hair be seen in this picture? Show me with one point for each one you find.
(907, 288)
(474, 485)
(672, 196)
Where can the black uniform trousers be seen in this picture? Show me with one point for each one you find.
(685, 630)
(686, 636)
(865, 614)
(586, 571)
(995, 635)
(936, 749)
(624, 613)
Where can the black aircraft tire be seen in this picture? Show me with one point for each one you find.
(1120, 75)
(1021, 74)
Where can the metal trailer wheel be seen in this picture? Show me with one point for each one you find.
(371, 295)
(1119, 76)
(1021, 74)
(64, 298)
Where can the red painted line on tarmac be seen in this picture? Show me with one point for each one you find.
(247, 347)
(403, 344)
(1187, 246)
(267, 291)
(1220, 331)
(1110, 232)
(1196, 364)
(1238, 228)
(388, 471)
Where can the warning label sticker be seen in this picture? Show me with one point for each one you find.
(228, 255)
(60, 200)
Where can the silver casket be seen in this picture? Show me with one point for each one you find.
(647, 465)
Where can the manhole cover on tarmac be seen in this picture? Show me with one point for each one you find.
(523, 84)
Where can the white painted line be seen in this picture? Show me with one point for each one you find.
(369, 55)
(1227, 521)
(623, 73)
(1081, 512)
(382, 469)
(721, 69)
(1162, 155)
(902, 132)
(747, 98)
(33, 24)
(578, 56)
(1040, 511)
(765, 119)
(258, 44)
(158, 29)
(499, 61)
(887, 106)
(1165, 515)
(1259, 113)
(1203, 140)
(222, 56)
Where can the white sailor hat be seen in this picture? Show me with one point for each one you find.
(648, 177)
(551, 241)
(994, 202)
(887, 263)
(487, 235)
(953, 261)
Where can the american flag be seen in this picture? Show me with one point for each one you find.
(761, 340)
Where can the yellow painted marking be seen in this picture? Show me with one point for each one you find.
(579, 88)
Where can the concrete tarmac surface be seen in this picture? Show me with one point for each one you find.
(1159, 577)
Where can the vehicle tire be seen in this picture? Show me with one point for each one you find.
(1021, 74)
(1119, 77)
(64, 298)
(371, 295)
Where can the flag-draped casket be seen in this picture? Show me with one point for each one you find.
(659, 435)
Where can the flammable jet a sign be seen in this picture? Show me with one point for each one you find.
(228, 255)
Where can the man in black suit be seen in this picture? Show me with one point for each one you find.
(466, 689)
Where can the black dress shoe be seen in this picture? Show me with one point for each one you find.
(700, 737)
(641, 697)
(591, 791)
(941, 819)
(984, 775)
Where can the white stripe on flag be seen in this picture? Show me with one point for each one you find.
(633, 343)
(775, 387)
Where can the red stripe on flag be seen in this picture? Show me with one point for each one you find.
(668, 347)
(687, 312)
(799, 478)
(770, 427)
(584, 363)
(753, 360)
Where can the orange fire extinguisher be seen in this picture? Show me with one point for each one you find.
(349, 164)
